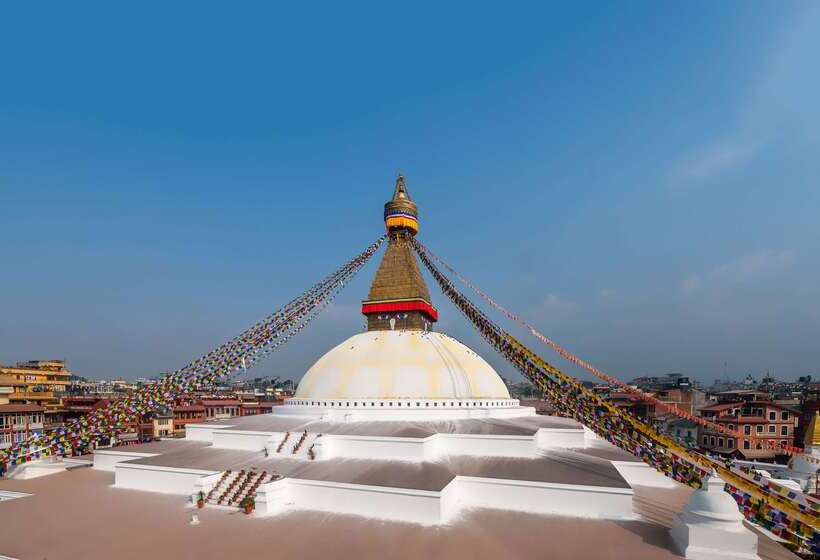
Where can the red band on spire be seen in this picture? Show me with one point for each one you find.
(392, 307)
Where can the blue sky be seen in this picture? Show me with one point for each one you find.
(639, 179)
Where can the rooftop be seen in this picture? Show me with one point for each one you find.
(112, 523)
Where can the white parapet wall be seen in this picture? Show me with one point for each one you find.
(107, 459)
(466, 492)
(370, 447)
(483, 444)
(561, 438)
(36, 469)
(165, 480)
(243, 439)
(638, 473)
(400, 504)
(432, 447)
(203, 432)
(431, 507)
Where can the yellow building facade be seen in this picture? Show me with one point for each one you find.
(40, 382)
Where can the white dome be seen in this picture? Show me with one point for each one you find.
(401, 364)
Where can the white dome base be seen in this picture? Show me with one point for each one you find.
(355, 410)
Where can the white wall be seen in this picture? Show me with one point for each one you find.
(106, 459)
(396, 448)
(243, 439)
(438, 445)
(429, 507)
(485, 445)
(537, 497)
(151, 478)
(561, 438)
(203, 432)
(400, 504)
(638, 473)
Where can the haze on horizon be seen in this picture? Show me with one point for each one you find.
(639, 180)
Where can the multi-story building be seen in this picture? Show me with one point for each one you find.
(9, 384)
(765, 420)
(19, 422)
(163, 424)
(219, 409)
(187, 414)
(43, 382)
(255, 407)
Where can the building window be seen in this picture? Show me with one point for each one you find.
(772, 415)
(759, 428)
(712, 440)
(730, 443)
(771, 428)
(720, 442)
(747, 429)
(705, 440)
(784, 430)
(784, 415)
(746, 444)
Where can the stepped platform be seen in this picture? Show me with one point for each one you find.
(111, 517)
(424, 472)
(561, 467)
(524, 425)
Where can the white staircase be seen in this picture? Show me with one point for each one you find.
(220, 492)
(294, 445)
(233, 487)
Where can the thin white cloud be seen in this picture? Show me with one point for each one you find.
(742, 269)
(722, 156)
(779, 105)
(555, 308)
(756, 264)
(607, 293)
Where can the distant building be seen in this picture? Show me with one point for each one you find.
(683, 430)
(18, 422)
(187, 414)
(220, 409)
(762, 419)
(41, 382)
(163, 424)
(255, 407)
(662, 383)
(9, 384)
(740, 395)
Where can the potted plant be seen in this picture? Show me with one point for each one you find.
(200, 500)
(248, 504)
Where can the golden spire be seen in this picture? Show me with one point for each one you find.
(400, 212)
(399, 298)
(813, 431)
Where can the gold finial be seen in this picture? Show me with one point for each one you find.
(400, 193)
(813, 431)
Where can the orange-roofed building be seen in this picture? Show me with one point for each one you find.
(768, 421)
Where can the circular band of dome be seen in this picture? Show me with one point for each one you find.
(402, 220)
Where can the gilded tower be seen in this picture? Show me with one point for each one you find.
(399, 298)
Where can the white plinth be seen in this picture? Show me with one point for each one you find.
(711, 527)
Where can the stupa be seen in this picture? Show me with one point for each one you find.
(430, 424)
(399, 425)
(400, 367)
